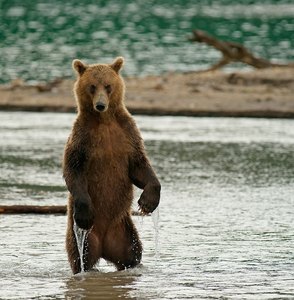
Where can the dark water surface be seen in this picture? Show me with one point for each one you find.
(39, 39)
(226, 220)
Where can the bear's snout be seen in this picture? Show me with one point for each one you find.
(100, 106)
(101, 103)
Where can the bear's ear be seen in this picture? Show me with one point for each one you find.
(117, 64)
(79, 66)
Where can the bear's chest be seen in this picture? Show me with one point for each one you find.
(110, 149)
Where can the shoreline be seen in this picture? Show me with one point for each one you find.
(266, 93)
(160, 113)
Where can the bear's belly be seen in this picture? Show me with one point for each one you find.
(109, 185)
(108, 171)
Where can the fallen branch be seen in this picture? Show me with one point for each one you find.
(32, 209)
(37, 209)
(232, 52)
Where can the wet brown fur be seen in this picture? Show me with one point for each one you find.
(103, 158)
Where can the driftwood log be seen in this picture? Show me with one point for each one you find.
(232, 52)
(32, 209)
(37, 209)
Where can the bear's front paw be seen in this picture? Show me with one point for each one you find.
(83, 213)
(149, 200)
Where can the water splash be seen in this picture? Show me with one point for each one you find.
(80, 235)
(155, 219)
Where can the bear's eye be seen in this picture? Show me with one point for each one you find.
(108, 89)
(92, 88)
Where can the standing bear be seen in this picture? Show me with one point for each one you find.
(103, 158)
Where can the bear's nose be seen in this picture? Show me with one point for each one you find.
(100, 106)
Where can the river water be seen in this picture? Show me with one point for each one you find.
(226, 220)
(39, 39)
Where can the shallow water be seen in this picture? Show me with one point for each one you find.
(226, 222)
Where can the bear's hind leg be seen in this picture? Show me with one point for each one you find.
(122, 245)
(72, 251)
(92, 251)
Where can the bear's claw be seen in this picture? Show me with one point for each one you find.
(83, 214)
(146, 206)
(149, 199)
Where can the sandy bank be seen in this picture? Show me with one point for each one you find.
(258, 93)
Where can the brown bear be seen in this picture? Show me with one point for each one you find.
(103, 158)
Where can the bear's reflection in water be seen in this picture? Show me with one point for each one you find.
(97, 285)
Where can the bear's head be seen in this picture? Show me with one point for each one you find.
(99, 87)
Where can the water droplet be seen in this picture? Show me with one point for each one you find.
(80, 235)
(155, 219)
